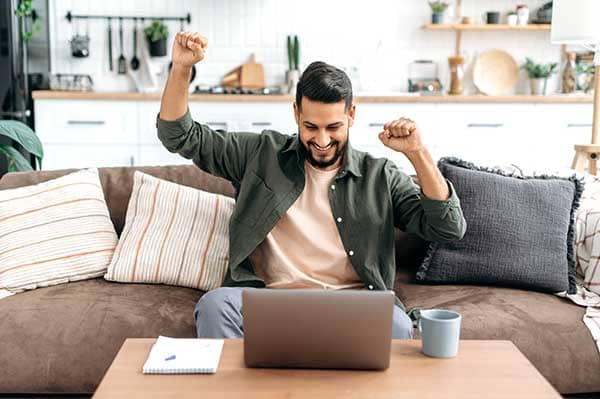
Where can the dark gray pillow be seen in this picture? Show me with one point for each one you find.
(520, 231)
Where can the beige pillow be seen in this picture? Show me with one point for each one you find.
(174, 235)
(54, 232)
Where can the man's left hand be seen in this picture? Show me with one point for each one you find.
(402, 135)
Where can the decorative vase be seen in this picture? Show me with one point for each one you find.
(437, 18)
(158, 48)
(522, 14)
(292, 77)
(539, 86)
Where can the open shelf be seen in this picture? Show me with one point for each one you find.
(458, 29)
(487, 27)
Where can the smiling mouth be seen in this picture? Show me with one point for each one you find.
(322, 149)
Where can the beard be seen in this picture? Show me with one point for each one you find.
(321, 161)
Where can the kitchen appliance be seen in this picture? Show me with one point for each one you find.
(423, 77)
(21, 70)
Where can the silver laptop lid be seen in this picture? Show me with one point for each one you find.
(313, 328)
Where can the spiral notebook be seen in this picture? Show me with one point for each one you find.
(183, 356)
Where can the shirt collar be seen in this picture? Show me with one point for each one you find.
(350, 162)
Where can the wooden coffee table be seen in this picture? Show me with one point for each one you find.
(490, 369)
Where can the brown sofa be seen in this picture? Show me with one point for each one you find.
(62, 339)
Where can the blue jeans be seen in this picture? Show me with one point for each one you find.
(218, 314)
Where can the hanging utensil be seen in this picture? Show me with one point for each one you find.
(122, 62)
(80, 43)
(110, 56)
(135, 62)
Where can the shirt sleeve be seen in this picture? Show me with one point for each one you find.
(432, 220)
(217, 152)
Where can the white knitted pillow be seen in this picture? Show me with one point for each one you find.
(174, 235)
(54, 232)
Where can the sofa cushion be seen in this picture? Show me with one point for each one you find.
(174, 235)
(62, 339)
(54, 232)
(118, 182)
(520, 231)
(548, 329)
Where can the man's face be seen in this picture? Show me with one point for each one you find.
(323, 130)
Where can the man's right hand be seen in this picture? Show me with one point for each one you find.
(188, 49)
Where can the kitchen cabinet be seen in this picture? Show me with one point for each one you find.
(560, 127)
(485, 134)
(64, 156)
(370, 119)
(85, 122)
(536, 136)
(249, 117)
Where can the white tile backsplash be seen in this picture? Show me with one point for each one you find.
(378, 37)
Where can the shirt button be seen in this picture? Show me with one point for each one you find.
(339, 220)
(370, 287)
(351, 252)
(333, 186)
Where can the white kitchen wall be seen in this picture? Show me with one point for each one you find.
(379, 37)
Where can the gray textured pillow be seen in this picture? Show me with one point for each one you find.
(520, 231)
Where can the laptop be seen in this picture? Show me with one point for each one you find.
(313, 328)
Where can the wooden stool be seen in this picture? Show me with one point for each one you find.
(583, 153)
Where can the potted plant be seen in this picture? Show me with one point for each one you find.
(157, 33)
(293, 72)
(23, 136)
(538, 75)
(438, 8)
(585, 72)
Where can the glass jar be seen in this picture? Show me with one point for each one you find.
(569, 74)
(457, 73)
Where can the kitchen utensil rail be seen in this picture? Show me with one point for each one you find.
(70, 17)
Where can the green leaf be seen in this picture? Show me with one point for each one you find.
(296, 52)
(16, 160)
(22, 134)
(156, 31)
(289, 52)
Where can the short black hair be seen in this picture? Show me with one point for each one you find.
(325, 83)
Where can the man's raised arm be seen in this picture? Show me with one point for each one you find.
(218, 152)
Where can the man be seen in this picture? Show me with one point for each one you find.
(311, 211)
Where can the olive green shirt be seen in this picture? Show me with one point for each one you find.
(370, 195)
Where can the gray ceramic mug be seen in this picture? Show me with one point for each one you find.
(440, 332)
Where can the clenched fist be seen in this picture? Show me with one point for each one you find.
(188, 48)
(402, 135)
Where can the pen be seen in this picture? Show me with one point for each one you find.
(172, 357)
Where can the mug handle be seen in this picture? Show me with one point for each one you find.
(415, 315)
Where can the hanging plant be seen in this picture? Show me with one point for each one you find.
(157, 34)
(26, 11)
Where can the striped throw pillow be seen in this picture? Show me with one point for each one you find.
(173, 235)
(54, 232)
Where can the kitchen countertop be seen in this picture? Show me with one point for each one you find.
(358, 97)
